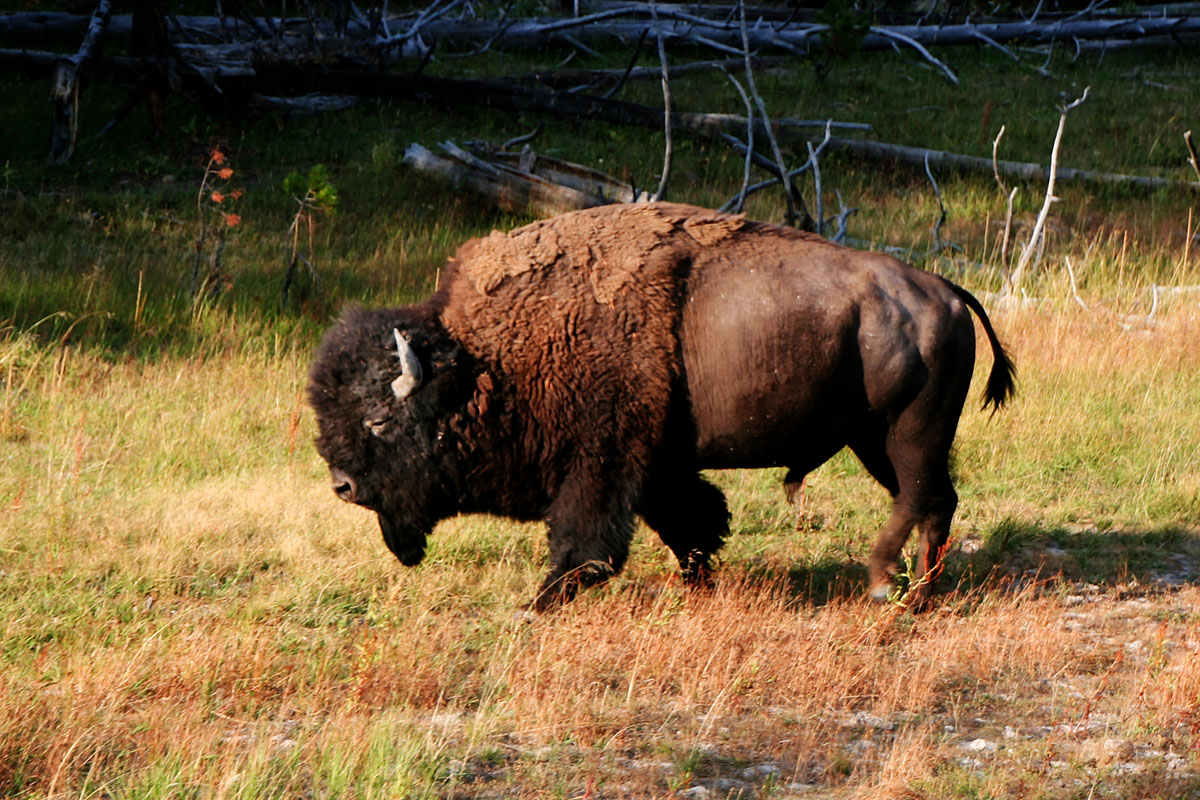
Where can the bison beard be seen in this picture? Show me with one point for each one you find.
(584, 369)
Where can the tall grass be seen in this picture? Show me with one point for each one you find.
(188, 612)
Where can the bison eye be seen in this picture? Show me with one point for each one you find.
(377, 425)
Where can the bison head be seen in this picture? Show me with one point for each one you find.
(385, 386)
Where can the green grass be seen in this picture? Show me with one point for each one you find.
(187, 612)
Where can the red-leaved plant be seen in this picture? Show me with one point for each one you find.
(215, 210)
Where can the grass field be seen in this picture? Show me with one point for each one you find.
(188, 612)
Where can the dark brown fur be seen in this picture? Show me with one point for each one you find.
(582, 370)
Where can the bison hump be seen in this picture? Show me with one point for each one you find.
(613, 247)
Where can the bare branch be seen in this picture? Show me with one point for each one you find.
(938, 244)
(637, 50)
(1192, 159)
(501, 28)
(920, 48)
(768, 165)
(1074, 288)
(523, 139)
(1035, 236)
(666, 86)
(844, 213)
(983, 37)
(739, 202)
(812, 159)
(64, 90)
(1008, 213)
(793, 198)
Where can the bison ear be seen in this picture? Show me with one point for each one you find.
(409, 379)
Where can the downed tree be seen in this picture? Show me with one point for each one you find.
(581, 106)
(684, 29)
(1023, 170)
(473, 92)
(573, 78)
(309, 65)
(524, 181)
(623, 24)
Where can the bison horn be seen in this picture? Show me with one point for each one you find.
(410, 368)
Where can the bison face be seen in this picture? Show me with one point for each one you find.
(385, 386)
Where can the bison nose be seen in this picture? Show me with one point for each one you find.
(344, 486)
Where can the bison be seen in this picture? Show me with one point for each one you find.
(583, 370)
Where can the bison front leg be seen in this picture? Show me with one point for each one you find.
(589, 528)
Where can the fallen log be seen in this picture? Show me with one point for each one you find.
(570, 78)
(473, 92)
(1022, 170)
(580, 106)
(523, 182)
(676, 25)
(280, 77)
(680, 29)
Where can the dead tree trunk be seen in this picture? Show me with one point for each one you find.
(148, 40)
(64, 90)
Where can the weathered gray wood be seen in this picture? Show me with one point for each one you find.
(64, 88)
(803, 37)
(307, 105)
(676, 26)
(514, 189)
(1023, 170)
(452, 91)
(570, 78)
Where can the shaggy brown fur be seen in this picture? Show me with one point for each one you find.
(585, 368)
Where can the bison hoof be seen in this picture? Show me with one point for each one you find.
(882, 592)
(697, 578)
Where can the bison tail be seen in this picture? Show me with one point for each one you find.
(1001, 384)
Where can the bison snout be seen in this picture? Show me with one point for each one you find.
(344, 486)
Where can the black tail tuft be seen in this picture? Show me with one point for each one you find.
(1001, 384)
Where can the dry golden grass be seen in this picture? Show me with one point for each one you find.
(187, 612)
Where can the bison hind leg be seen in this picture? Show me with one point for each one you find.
(795, 490)
(912, 463)
(690, 516)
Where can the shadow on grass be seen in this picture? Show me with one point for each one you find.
(1014, 552)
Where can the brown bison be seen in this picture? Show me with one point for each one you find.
(584, 369)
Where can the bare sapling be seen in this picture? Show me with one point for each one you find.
(1008, 211)
(814, 156)
(314, 195)
(938, 243)
(739, 202)
(796, 210)
(1074, 286)
(1035, 237)
(767, 164)
(1192, 159)
(64, 89)
(666, 87)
